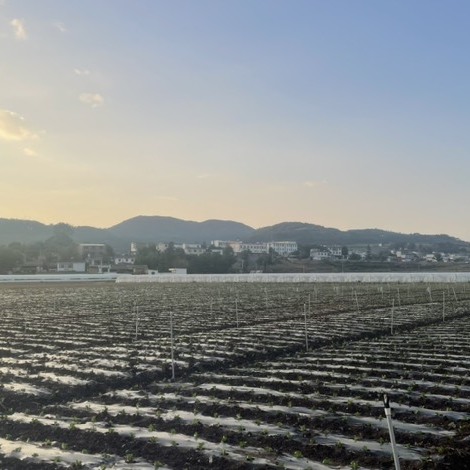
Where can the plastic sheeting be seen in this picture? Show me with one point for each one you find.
(301, 277)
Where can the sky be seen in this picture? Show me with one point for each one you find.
(342, 113)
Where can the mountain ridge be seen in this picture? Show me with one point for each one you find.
(151, 229)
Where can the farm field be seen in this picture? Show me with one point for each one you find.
(265, 376)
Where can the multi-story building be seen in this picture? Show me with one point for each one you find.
(255, 248)
(336, 251)
(71, 267)
(124, 259)
(317, 254)
(193, 249)
(283, 248)
(92, 250)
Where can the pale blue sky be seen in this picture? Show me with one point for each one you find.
(349, 113)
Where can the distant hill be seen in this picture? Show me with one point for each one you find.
(156, 228)
(151, 229)
(308, 234)
(23, 231)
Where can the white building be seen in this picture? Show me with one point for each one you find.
(161, 246)
(193, 249)
(255, 248)
(178, 271)
(221, 243)
(336, 251)
(317, 254)
(71, 267)
(124, 259)
(283, 248)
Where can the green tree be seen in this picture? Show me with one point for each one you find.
(9, 259)
(61, 247)
(354, 257)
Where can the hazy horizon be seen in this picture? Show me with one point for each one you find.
(343, 114)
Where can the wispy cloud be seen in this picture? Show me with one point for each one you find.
(29, 152)
(315, 184)
(81, 72)
(19, 29)
(204, 176)
(12, 127)
(95, 100)
(60, 26)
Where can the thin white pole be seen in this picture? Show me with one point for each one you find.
(388, 414)
(172, 348)
(236, 310)
(443, 306)
(391, 323)
(306, 331)
(399, 300)
(136, 322)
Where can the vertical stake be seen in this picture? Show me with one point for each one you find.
(443, 305)
(136, 321)
(172, 347)
(388, 414)
(306, 331)
(391, 323)
(236, 310)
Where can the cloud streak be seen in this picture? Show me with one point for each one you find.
(13, 128)
(95, 100)
(315, 184)
(29, 152)
(60, 27)
(19, 29)
(81, 72)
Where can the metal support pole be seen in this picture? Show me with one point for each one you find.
(136, 322)
(236, 310)
(443, 306)
(306, 331)
(388, 415)
(172, 348)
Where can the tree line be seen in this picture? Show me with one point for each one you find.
(206, 263)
